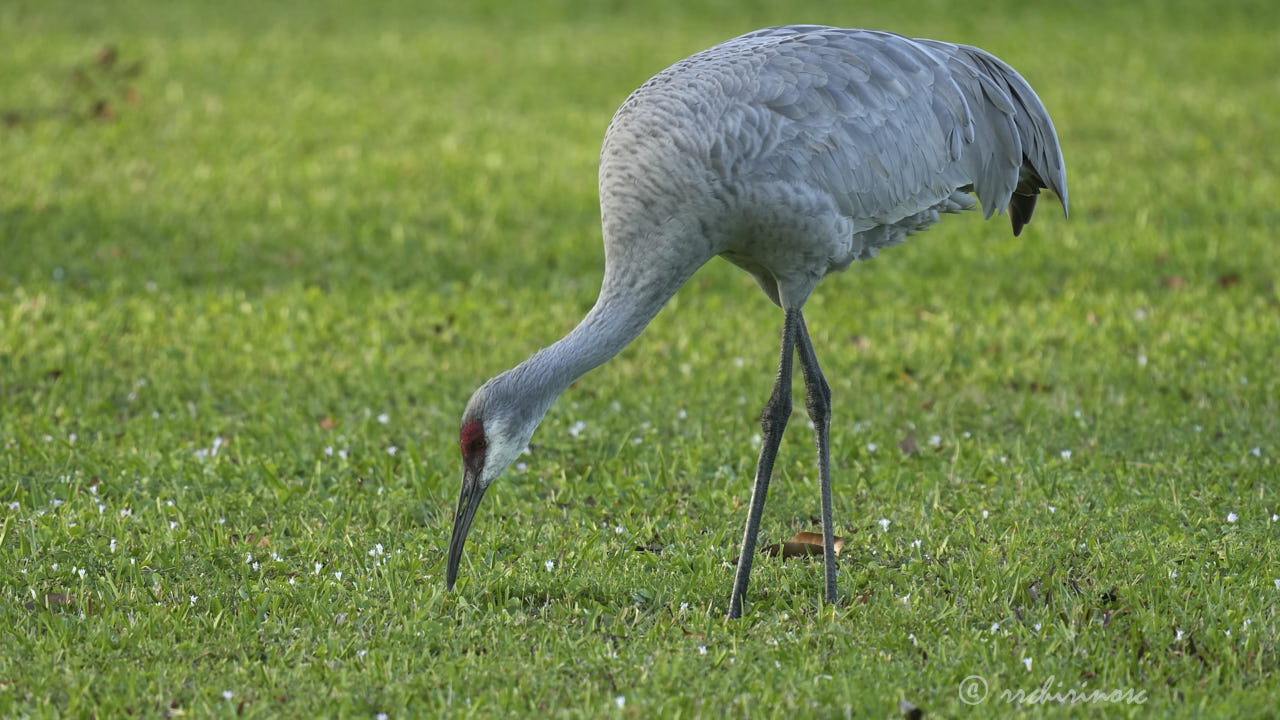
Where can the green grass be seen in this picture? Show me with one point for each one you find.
(316, 229)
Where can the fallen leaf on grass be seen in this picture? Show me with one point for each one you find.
(1173, 282)
(804, 544)
(251, 539)
(908, 445)
(326, 423)
(1228, 280)
(55, 601)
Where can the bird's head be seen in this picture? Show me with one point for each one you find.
(495, 429)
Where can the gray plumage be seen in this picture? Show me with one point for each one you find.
(790, 152)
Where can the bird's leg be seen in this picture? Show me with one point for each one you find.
(772, 421)
(817, 399)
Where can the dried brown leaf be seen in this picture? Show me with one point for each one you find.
(107, 56)
(251, 539)
(1173, 282)
(804, 544)
(326, 423)
(1228, 280)
(54, 601)
(908, 445)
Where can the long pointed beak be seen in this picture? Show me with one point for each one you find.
(468, 501)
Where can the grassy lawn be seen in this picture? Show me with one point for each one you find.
(254, 260)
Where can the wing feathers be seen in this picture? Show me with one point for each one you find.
(926, 117)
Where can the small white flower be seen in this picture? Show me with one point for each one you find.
(80, 572)
(1078, 414)
(702, 649)
(342, 454)
(871, 447)
(361, 653)
(912, 638)
(1052, 509)
(328, 451)
(1037, 626)
(392, 450)
(1142, 359)
(995, 627)
(1027, 662)
(15, 505)
(1232, 517)
(126, 512)
(916, 542)
(337, 575)
(619, 530)
(380, 716)
(985, 514)
(317, 570)
(1066, 454)
(248, 558)
(57, 502)
(884, 524)
(935, 440)
(228, 694)
(1004, 459)
(756, 439)
(685, 606)
(738, 362)
(967, 434)
(576, 428)
(1177, 635)
(682, 413)
(1275, 517)
(636, 440)
(621, 701)
(1257, 452)
(194, 598)
(255, 565)
(551, 565)
(113, 545)
(1173, 573)
(384, 418)
(173, 524)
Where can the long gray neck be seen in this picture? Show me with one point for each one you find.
(628, 300)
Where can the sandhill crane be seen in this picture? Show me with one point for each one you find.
(790, 152)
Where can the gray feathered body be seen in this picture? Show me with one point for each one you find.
(793, 151)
